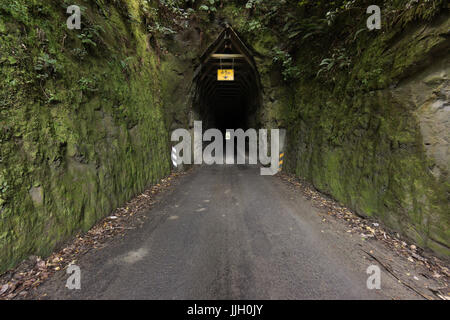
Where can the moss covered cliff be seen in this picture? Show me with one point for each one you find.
(81, 119)
(366, 111)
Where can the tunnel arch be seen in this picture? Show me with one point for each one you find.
(227, 104)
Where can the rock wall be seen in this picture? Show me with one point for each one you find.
(82, 122)
(374, 135)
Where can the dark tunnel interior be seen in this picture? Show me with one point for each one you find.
(231, 104)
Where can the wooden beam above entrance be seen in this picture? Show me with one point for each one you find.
(227, 56)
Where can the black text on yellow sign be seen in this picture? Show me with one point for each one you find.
(225, 75)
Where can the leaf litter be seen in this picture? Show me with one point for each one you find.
(19, 283)
(417, 269)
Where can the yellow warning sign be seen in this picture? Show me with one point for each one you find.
(225, 75)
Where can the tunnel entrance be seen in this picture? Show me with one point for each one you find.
(227, 104)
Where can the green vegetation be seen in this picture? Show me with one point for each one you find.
(288, 69)
(348, 132)
(81, 120)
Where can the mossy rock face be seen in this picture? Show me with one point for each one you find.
(384, 153)
(82, 122)
(86, 115)
(376, 138)
(372, 160)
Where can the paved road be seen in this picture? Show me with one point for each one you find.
(225, 232)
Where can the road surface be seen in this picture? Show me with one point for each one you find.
(226, 232)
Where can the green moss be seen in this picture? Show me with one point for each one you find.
(347, 132)
(366, 152)
(87, 129)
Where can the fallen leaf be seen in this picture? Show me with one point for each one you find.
(370, 229)
(4, 288)
(41, 264)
